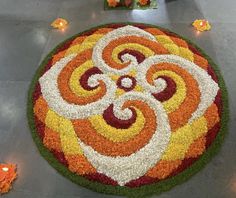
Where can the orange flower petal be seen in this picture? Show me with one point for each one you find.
(89, 135)
(163, 169)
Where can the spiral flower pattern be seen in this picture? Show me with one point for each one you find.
(127, 105)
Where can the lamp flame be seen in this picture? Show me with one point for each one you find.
(201, 25)
(60, 24)
(5, 169)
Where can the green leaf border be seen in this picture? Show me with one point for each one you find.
(145, 190)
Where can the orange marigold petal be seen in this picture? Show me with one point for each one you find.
(64, 77)
(200, 61)
(52, 140)
(180, 116)
(78, 40)
(107, 52)
(196, 148)
(79, 164)
(58, 56)
(103, 30)
(163, 169)
(112, 3)
(89, 135)
(61, 54)
(180, 42)
(41, 109)
(143, 2)
(212, 116)
(5, 184)
(5, 187)
(154, 31)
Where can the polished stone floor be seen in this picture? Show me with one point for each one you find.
(26, 37)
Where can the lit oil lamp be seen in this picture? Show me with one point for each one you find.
(60, 24)
(201, 25)
(144, 2)
(113, 3)
(7, 176)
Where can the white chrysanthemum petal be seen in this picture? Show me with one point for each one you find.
(115, 34)
(51, 93)
(208, 87)
(125, 169)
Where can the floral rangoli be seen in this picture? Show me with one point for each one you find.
(127, 109)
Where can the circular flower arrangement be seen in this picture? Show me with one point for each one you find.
(127, 109)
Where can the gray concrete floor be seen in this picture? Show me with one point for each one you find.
(26, 37)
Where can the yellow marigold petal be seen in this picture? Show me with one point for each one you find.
(138, 88)
(114, 134)
(88, 43)
(132, 72)
(186, 53)
(183, 138)
(163, 39)
(173, 103)
(119, 92)
(199, 127)
(172, 48)
(69, 140)
(114, 77)
(64, 127)
(131, 46)
(52, 120)
(74, 82)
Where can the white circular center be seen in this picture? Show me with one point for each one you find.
(126, 82)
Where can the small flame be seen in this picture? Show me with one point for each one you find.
(201, 25)
(60, 24)
(5, 169)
